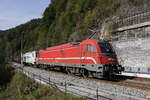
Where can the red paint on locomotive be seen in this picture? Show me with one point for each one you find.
(85, 52)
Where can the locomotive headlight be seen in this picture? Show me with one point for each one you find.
(111, 59)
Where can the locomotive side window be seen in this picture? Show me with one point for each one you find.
(90, 48)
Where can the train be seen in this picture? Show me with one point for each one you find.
(91, 57)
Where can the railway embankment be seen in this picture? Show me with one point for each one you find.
(92, 88)
(21, 87)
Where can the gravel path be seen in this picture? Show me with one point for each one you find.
(84, 87)
(114, 92)
(138, 81)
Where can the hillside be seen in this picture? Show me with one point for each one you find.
(27, 89)
(2, 32)
(6, 73)
(64, 21)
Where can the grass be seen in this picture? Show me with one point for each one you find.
(23, 88)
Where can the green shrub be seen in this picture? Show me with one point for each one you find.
(6, 73)
(24, 88)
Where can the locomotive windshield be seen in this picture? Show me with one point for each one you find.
(105, 48)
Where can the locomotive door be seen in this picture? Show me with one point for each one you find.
(83, 51)
(88, 54)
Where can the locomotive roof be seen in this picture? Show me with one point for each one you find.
(71, 44)
(59, 46)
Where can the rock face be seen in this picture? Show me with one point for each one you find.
(134, 53)
(107, 27)
(132, 46)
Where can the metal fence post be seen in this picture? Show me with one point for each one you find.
(33, 76)
(65, 87)
(49, 81)
(40, 78)
(97, 93)
(28, 73)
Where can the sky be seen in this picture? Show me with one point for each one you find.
(16, 12)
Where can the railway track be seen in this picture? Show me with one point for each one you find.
(130, 87)
(127, 81)
(132, 82)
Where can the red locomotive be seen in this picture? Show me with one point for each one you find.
(89, 57)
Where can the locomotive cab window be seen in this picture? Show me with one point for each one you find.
(90, 48)
(106, 48)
